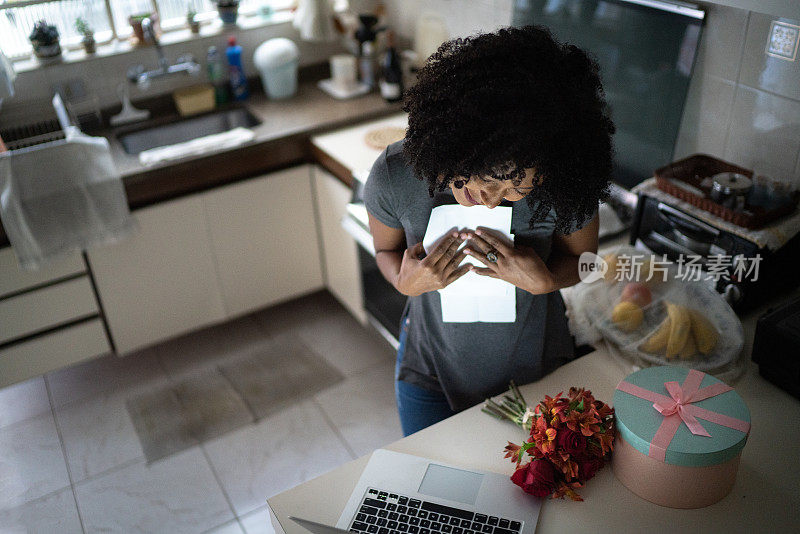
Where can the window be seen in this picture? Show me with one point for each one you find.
(108, 18)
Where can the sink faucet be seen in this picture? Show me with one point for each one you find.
(142, 77)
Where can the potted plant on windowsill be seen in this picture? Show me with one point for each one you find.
(191, 20)
(89, 44)
(44, 39)
(228, 10)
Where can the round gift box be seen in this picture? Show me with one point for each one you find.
(693, 470)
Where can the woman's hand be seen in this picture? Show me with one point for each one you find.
(520, 266)
(438, 269)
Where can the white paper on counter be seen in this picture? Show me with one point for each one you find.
(473, 298)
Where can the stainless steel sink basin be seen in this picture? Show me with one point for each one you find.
(185, 129)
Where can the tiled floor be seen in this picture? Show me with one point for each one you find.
(70, 458)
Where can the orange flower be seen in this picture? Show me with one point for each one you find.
(584, 422)
(512, 451)
(543, 435)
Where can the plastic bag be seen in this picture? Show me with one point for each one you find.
(62, 196)
(651, 316)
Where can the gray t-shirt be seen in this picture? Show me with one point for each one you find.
(468, 361)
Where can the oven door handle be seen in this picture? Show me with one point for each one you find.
(362, 236)
(686, 222)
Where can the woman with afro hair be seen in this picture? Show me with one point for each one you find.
(512, 119)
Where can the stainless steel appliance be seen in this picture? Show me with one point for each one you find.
(665, 229)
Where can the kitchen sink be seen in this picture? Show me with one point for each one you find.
(184, 129)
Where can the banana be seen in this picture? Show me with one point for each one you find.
(704, 333)
(658, 340)
(689, 349)
(680, 328)
(627, 316)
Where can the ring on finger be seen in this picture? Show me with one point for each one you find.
(491, 256)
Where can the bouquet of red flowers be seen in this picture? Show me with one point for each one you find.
(569, 438)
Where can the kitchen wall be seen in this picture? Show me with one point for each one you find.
(742, 106)
(34, 88)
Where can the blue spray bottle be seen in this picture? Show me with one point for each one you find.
(236, 71)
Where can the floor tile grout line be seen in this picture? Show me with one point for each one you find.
(27, 418)
(41, 498)
(234, 520)
(254, 511)
(334, 428)
(63, 451)
(112, 470)
(221, 486)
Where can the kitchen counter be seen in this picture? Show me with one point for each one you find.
(764, 499)
(344, 151)
(281, 140)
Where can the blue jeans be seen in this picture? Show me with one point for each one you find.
(418, 407)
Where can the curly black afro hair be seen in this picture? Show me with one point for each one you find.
(495, 104)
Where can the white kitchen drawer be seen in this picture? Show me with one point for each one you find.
(60, 348)
(13, 278)
(47, 307)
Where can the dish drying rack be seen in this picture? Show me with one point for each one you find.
(46, 131)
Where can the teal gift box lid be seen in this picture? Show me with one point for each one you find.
(638, 420)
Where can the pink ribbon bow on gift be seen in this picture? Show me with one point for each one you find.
(678, 408)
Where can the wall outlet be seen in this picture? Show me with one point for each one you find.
(783, 40)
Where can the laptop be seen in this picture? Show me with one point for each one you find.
(405, 494)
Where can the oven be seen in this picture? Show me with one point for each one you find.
(383, 304)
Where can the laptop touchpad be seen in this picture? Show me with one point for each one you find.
(449, 483)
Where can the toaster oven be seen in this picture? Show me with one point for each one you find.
(665, 229)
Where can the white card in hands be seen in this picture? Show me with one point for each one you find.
(473, 298)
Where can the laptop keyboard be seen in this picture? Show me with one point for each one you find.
(382, 512)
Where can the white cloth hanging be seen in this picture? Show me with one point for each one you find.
(314, 20)
(62, 196)
(7, 77)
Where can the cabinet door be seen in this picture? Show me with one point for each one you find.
(342, 272)
(160, 282)
(265, 239)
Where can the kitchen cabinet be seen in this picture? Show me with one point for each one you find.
(15, 279)
(161, 281)
(53, 350)
(205, 258)
(339, 251)
(48, 318)
(36, 311)
(264, 239)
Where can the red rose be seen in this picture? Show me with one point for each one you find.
(571, 442)
(587, 467)
(536, 477)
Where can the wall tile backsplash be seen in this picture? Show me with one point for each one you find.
(768, 72)
(743, 104)
(764, 130)
(759, 128)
